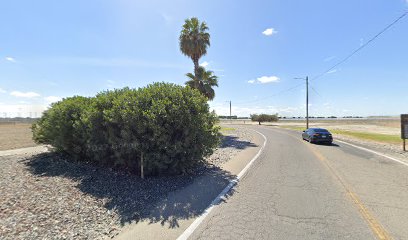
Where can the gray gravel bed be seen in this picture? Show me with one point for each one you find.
(46, 196)
(234, 140)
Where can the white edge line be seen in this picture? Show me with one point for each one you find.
(187, 233)
(371, 151)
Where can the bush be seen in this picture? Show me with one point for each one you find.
(61, 126)
(264, 118)
(170, 125)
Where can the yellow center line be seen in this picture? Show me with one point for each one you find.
(378, 230)
(374, 224)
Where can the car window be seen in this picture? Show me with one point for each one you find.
(321, 131)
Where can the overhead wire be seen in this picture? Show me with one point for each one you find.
(361, 47)
(332, 67)
(271, 96)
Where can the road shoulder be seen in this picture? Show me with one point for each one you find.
(198, 195)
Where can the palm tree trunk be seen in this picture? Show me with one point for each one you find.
(196, 65)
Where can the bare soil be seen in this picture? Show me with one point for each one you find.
(391, 126)
(15, 135)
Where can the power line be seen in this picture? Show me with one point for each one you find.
(362, 46)
(314, 90)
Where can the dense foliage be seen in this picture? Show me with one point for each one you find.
(169, 125)
(204, 82)
(194, 40)
(264, 118)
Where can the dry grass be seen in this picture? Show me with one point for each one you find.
(15, 135)
(380, 130)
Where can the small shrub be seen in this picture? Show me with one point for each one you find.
(264, 118)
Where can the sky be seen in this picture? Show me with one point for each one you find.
(260, 50)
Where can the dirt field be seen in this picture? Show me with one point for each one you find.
(18, 135)
(15, 135)
(390, 126)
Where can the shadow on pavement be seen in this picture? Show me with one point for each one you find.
(327, 145)
(232, 141)
(166, 199)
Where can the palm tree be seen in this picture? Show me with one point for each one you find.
(203, 81)
(194, 40)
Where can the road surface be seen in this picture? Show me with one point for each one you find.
(297, 190)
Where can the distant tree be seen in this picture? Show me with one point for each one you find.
(194, 41)
(204, 81)
(264, 118)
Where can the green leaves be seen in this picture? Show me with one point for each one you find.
(170, 124)
(264, 118)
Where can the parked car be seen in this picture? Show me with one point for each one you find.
(317, 135)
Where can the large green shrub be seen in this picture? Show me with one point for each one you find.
(170, 125)
(62, 126)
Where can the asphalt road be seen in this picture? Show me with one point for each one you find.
(297, 190)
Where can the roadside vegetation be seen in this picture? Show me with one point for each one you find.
(159, 129)
(377, 137)
(264, 118)
(225, 129)
(194, 40)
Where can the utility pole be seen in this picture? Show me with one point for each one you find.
(230, 112)
(307, 102)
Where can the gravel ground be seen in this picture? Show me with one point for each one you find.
(45, 196)
(234, 140)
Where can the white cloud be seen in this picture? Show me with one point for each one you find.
(21, 110)
(328, 59)
(326, 104)
(2, 90)
(264, 79)
(52, 99)
(223, 109)
(10, 59)
(287, 110)
(204, 64)
(24, 94)
(269, 32)
(332, 71)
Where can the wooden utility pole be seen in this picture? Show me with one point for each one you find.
(307, 102)
(404, 129)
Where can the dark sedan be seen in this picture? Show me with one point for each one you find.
(317, 135)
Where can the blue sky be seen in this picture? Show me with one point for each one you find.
(54, 49)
